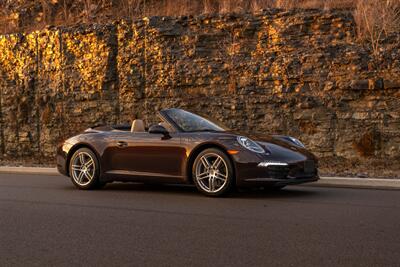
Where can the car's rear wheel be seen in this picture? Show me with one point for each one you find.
(212, 172)
(84, 169)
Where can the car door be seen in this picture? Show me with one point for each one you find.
(153, 154)
(146, 156)
(115, 157)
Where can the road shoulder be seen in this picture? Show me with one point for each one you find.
(370, 183)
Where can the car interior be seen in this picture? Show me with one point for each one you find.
(137, 126)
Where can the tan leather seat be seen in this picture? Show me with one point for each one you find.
(138, 126)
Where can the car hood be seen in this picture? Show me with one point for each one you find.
(273, 144)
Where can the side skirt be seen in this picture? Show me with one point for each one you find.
(134, 176)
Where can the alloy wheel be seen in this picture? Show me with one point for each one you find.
(83, 168)
(211, 172)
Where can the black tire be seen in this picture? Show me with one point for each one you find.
(85, 177)
(216, 180)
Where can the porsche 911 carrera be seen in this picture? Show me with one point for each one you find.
(184, 148)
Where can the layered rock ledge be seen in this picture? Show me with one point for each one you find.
(299, 72)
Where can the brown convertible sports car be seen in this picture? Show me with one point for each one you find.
(184, 148)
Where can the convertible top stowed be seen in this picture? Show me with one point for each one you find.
(184, 147)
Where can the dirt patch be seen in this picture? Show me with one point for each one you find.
(367, 168)
(368, 143)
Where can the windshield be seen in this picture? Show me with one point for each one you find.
(189, 122)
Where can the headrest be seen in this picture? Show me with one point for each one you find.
(137, 126)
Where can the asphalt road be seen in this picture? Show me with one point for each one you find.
(45, 221)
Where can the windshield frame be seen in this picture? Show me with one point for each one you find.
(164, 114)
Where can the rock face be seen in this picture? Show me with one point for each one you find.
(299, 73)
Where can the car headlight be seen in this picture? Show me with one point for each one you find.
(250, 144)
(297, 142)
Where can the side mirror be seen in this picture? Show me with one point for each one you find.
(158, 129)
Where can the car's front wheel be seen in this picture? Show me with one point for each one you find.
(84, 169)
(212, 172)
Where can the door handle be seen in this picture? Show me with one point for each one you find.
(122, 144)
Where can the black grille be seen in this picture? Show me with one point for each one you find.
(309, 166)
(278, 172)
(303, 169)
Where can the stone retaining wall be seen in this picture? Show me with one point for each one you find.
(300, 73)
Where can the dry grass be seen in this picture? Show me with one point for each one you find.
(376, 19)
(321, 4)
(36, 14)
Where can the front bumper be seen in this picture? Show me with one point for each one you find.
(277, 174)
(279, 182)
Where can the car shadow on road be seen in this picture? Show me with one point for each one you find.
(132, 186)
(285, 193)
(190, 190)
